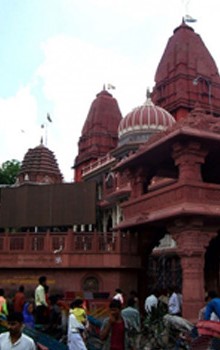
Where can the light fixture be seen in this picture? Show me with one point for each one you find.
(209, 86)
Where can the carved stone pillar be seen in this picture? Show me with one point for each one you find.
(188, 158)
(192, 239)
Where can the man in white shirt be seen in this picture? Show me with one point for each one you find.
(150, 302)
(14, 338)
(119, 296)
(174, 307)
(40, 300)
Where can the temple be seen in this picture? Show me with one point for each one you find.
(144, 208)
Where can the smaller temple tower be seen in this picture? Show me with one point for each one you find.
(99, 133)
(39, 166)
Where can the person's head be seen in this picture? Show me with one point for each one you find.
(78, 302)
(15, 323)
(131, 302)
(118, 290)
(133, 294)
(153, 291)
(30, 307)
(42, 280)
(115, 308)
(171, 290)
(2, 292)
(21, 289)
(53, 299)
(212, 294)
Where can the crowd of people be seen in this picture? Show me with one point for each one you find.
(121, 330)
(42, 311)
(52, 315)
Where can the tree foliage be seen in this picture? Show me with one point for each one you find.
(9, 171)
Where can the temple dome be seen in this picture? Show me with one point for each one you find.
(142, 122)
(40, 166)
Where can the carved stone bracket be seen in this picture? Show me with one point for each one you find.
(191, 236)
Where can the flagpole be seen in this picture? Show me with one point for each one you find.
(46, 127)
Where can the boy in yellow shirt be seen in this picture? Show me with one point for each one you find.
(78, 310)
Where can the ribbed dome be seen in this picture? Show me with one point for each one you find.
(39, 165)
(142, 122)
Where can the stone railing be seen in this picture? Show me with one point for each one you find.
(68, 242)
(97, 164)
(69, 249)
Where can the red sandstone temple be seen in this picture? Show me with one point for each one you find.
(144, 210)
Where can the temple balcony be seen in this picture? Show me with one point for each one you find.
(173, 200)
(67, 250)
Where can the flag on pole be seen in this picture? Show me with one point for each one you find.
(111, 87)
(189, 19)
(49, 118)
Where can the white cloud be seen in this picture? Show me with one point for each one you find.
(19, 129)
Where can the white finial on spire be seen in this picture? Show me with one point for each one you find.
(148, 98)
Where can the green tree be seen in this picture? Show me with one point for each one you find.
(9, 171)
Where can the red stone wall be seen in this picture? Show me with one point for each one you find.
(66, 280)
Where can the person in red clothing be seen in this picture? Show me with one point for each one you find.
(19, 299)
(114, 331)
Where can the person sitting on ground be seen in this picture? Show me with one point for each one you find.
(19, 299)
(14, 338)
(28, 314)
(114, 331)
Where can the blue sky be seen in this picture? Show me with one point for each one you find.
(57, 54)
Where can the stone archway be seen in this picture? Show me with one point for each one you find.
(212, 265)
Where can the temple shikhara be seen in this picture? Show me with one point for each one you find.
(144, 208)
